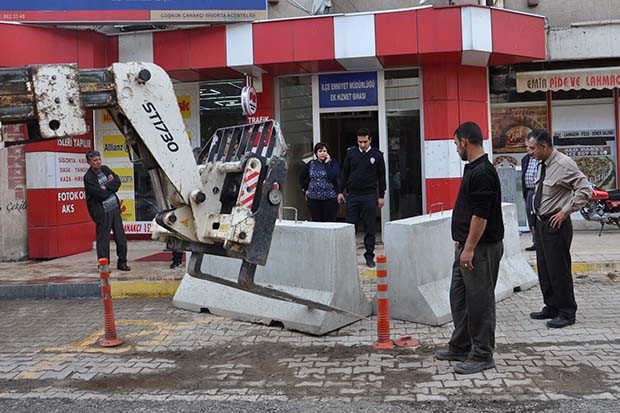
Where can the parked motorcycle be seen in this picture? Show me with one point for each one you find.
(604, 207)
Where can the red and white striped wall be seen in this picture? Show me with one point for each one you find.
(453, 46)
(466, 35)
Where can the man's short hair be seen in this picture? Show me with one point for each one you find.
(363, 132)
(92, 154)
(470, 131)
(541, 136)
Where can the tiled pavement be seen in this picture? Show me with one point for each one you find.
(48, 348)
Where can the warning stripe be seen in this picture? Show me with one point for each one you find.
(248, 188)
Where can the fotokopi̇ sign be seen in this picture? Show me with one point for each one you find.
(132, 11)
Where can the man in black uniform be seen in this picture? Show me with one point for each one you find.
(477, 231)
(101, 185)
(363, 178)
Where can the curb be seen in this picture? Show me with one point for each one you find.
(144, 288)
(594, 267)
(120, 289)
(167, 288)
(50, 291)
(589, 267)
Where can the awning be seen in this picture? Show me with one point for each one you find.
(572, 79)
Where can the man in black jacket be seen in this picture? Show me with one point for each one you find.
(363, 177)
(101, 185)
(478, 233)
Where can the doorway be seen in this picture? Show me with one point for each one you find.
(339, 130)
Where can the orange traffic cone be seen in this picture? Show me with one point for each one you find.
(383, 310)
(110, 339)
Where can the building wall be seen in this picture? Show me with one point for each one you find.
(284, 8)
(13, 222)
(562, 13)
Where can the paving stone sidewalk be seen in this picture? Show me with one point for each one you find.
(77, 276)
(48, 349)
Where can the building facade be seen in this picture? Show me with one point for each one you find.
(409, 75)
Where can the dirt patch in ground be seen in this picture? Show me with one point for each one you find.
(325, 371)
(272, 369)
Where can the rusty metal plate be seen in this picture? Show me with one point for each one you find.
(58, 101)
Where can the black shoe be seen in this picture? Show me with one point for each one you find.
(450, 355)
(560, 322)
(543, 314)
(532, 248)
(123, 267)
(473, 366)
(175, 265)
(370, 263)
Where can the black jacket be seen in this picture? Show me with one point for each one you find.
(363, 173)
(95, 195)
(332, 174)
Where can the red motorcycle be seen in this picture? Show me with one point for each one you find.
(604, 207)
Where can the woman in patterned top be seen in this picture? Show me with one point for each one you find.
(319, 182)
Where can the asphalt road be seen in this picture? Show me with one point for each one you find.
(94, 406)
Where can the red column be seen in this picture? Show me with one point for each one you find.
(452, 94)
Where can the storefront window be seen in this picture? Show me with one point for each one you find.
(220, 106)
(585, 131)
(402, 103)
(296, 122)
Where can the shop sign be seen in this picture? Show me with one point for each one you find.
(104, 11)
(554, 80)
(511, 124)
(348, 90)
(70, 170)
(594, 152)
(249, 101)
(596, 162)
(137, 227)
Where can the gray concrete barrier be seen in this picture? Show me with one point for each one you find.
(420, 253)
(514, 267)
(315, 261)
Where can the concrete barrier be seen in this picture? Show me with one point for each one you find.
(514, 267)
(420, 254)
(315, 261)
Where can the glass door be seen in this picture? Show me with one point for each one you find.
(402, 104)
(404, 171)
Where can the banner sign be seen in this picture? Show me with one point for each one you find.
(348, 89)
(554, 80)
(123, 11)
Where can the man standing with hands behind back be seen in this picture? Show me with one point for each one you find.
(363, 177)
(561, 188)
(101, 185)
